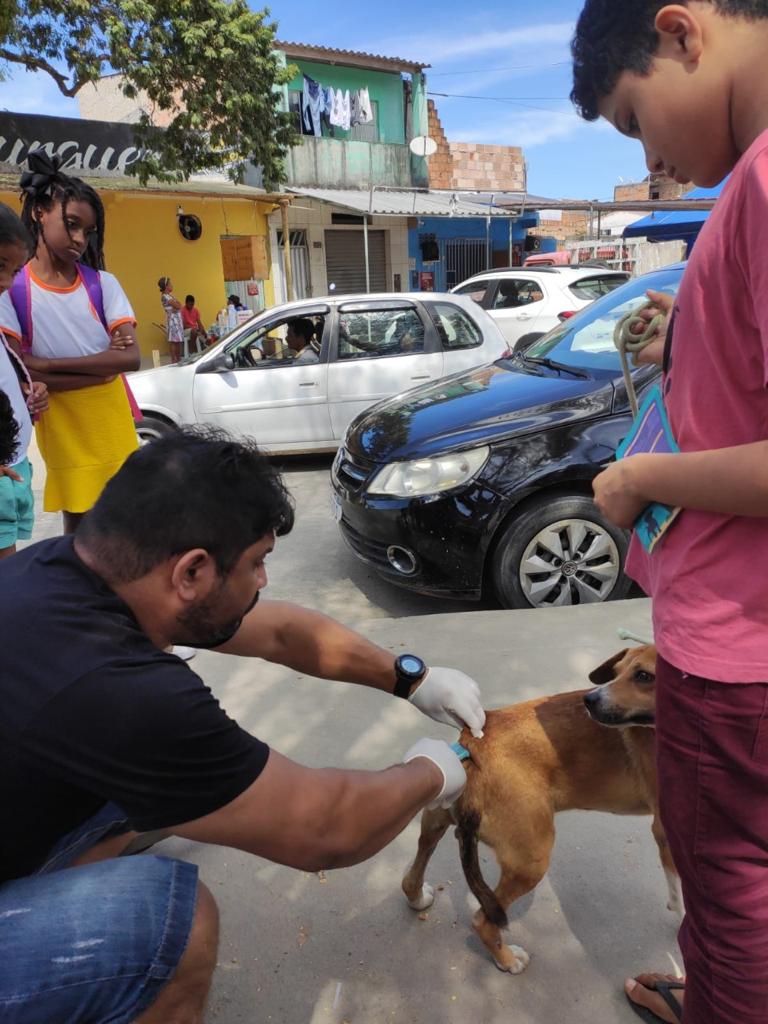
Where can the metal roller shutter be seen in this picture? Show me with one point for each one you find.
(345, 261)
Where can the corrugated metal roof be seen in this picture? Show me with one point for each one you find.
(353, 58)
(404, 203)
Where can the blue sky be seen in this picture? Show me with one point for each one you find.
(513, 51)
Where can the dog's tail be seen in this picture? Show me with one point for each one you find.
(466, 833)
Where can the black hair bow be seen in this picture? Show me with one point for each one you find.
(43, 174)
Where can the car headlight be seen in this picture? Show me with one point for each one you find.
(429, 476)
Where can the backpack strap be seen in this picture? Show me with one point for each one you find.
(20, 294)
(92, 281)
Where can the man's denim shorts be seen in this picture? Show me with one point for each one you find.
(94, 943)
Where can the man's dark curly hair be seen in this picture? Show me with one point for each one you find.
(197, 487)
(613, 36)
(9, 431)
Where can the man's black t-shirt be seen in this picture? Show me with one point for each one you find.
(91, 712)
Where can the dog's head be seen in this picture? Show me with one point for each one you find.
(625, 688)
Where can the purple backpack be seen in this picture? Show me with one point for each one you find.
(20, 294)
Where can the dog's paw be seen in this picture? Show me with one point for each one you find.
(425, 898)
(512, 959)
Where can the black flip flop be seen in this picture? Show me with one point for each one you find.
(664, 988)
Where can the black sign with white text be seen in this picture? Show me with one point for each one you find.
(98, 147)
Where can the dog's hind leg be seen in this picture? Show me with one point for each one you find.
(520, 873)
(433, 827)
(675, 900)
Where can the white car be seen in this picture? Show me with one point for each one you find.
(363, 348)
(525, 300)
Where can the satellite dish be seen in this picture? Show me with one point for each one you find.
(422, 145)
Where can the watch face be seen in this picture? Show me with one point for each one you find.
(411, 665)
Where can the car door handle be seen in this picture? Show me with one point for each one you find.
(308, 384)
(423, 376)
(524, 316)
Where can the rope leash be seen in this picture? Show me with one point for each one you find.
(628, 342)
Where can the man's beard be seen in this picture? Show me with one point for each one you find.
(201, 627)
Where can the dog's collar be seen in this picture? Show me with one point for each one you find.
(461, 752)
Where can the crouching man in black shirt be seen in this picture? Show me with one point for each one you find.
(104, 735)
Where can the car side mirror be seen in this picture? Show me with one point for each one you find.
(221, 363)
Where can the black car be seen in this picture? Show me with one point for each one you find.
(483, 481)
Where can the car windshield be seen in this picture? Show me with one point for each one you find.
(585, 341)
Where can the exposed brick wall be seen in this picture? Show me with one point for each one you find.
(472, 165)
(441, 163)
(574, 224)
(655, 186)
(487, 167)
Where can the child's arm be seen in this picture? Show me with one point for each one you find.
(726, 481)
(123, 356)
(70, 381)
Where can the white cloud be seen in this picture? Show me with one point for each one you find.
(35, 92)
(464, 42)
(528, 129)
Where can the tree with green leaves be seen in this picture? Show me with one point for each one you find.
(208, 65)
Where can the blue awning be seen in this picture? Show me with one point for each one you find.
(669, 225)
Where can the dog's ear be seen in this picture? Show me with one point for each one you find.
(604, 673)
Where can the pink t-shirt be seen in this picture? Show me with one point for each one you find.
(709, 575)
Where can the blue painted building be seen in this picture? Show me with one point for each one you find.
(444, 251)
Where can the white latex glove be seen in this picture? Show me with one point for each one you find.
(454, 777)
(451, 697)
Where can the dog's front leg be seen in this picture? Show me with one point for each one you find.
(433, 827)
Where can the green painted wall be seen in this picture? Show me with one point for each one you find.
(384, 88)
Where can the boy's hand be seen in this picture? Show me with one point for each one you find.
(7, 471)
(37, 397)
(617, 495)
(660, 302)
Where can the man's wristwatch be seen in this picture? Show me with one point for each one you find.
(409, 669)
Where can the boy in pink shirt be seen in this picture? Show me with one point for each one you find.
(689, 82)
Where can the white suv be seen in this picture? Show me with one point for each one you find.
(526, 301)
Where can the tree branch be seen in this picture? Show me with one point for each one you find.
(37, 64)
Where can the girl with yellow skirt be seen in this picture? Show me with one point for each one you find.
(76, 332)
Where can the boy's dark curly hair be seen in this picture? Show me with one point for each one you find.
(613, 36)
(9, 431)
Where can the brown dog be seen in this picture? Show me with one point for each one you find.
(538, 758)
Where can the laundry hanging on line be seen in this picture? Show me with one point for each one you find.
(339, 107)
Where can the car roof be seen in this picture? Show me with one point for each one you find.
(336, 299)
(572, 272)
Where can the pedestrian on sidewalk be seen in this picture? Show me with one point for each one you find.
(75, 330)
(174, 326)
(104, 735)
(23, 397)
(688, 81)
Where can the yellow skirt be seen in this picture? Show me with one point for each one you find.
(84, 438)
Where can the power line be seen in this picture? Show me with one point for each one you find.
(507, 99)
(519, 67)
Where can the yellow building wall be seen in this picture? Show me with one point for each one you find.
(143, 243)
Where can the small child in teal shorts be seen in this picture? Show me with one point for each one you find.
(21, 400)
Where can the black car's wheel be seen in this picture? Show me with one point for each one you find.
(150, 428)
(557, 552)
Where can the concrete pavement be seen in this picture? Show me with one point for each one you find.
(302, 949)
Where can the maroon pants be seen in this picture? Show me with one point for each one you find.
(712, 751)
